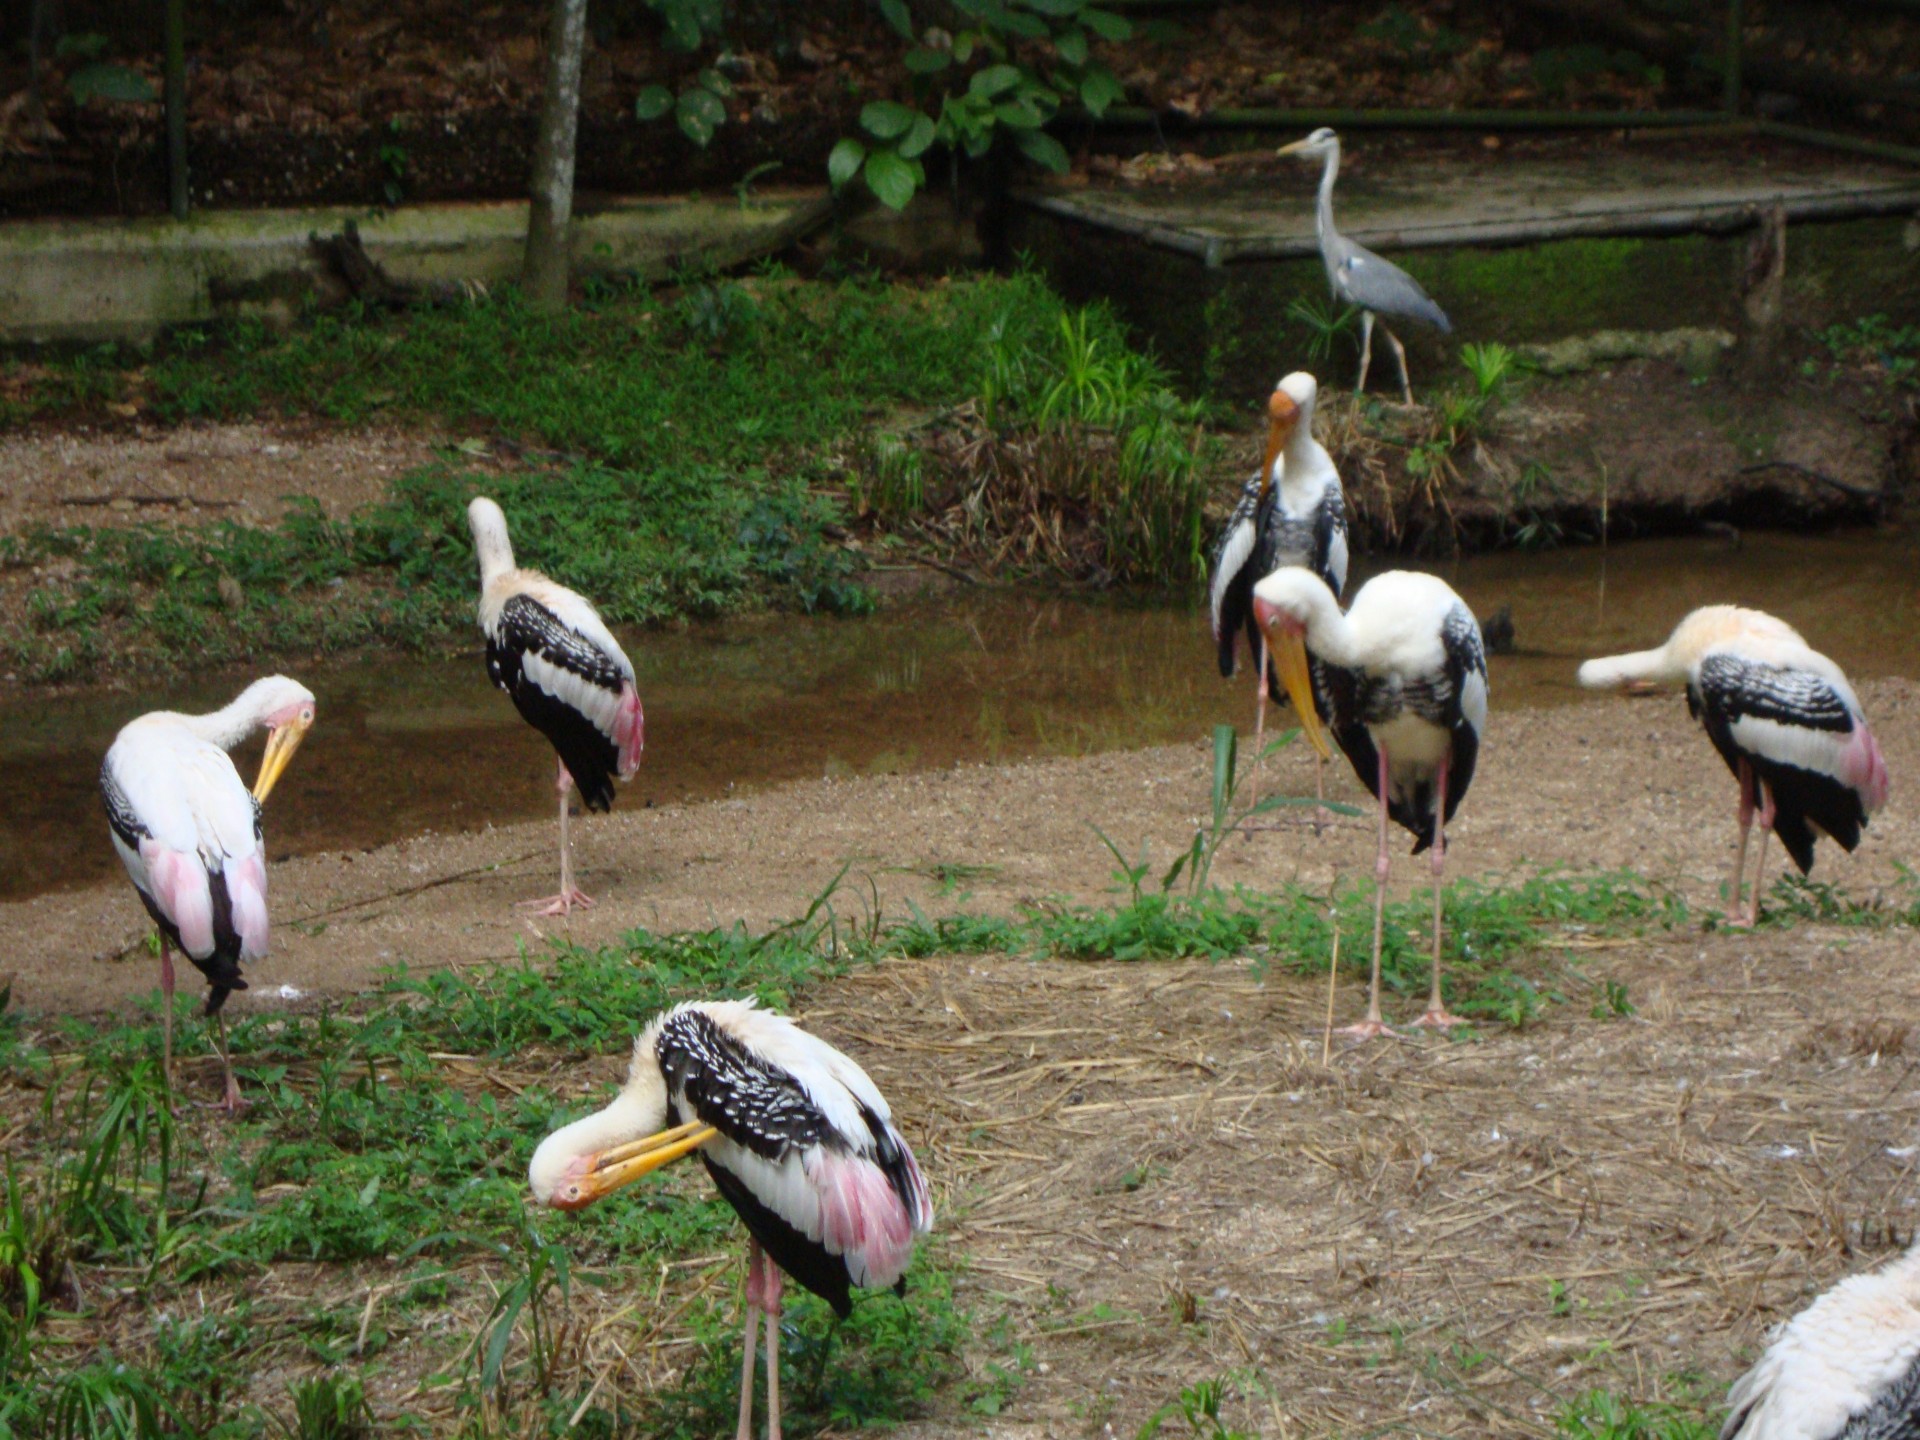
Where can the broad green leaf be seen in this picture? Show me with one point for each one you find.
(975, 8)
(845, 161)
(891, 179)
(1058, 8)
(716, 82)
(653, 102)
(994, 80)
(1071, 46)
(919, 137)
(1018, 116)
(110, 82)
(898, 17)
(683, 28)
(886, 119)
(1042, 149)
(1106, 24)
(922, 60)
(699, 110)
(1100, 89)
(963, 44)
(1027, 27)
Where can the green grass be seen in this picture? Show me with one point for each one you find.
(384, 1146)
(686, 452)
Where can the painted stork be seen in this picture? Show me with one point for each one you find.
(548, 648)
(795, 1136)
(1782, 716)
(1845, 1368)
(188, 832)
(1292, 511)
(1405, 675)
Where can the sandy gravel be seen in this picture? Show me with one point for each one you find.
(1608, 784)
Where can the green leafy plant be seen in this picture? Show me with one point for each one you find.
(1198, 1406)
(1002, 75)
(1323, 322)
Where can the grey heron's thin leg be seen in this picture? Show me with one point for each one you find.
(1744, 775)
(1373, 1025)
(1400, 355)
(1366, 349)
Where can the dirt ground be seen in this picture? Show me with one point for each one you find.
(1153, 1175)
(1605, 785)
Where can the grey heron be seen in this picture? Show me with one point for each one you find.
(1358, 276)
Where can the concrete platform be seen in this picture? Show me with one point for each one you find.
(115, 280)
(1400, 196)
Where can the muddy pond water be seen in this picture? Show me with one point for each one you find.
(413, 744)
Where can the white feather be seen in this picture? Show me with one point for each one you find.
(1833, 1359)
(1235, 552)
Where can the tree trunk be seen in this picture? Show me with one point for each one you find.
(548, 225)
(174, 99)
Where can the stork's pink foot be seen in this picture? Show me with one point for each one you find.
(1442, 1018)
(1368, 1030)
(233, 1104)
(565, 903)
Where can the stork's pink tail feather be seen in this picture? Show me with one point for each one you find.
(1865, 768)
(863, 1220)
(630, 730)
(247, 889)
(180, 890)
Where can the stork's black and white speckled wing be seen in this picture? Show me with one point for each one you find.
(1231, 575)
(567, 681)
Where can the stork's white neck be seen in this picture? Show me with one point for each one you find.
(631, 1116)
(1329, 632)
(239, 718)
(490, 542)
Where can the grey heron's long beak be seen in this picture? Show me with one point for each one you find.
(1293, 149)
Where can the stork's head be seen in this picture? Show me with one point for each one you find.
(579, 1163)
(1316, 146)
(1283, 605)
(285, 708)
(490, 542)
(1283, 414)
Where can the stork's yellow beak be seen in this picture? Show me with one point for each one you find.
(282, 741)
(614, 1169)
(1289, 654)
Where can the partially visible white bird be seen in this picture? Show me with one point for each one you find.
(188, 832)
(795, 1135)
(1292, 511)
(1845, 1368)
(548, 648)
(1405, 676)
(1782, 716)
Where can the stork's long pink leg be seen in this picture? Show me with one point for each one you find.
(1766, 816)
(166, 1012)
(1744, 775)
(1437, 1012)
(1259, 723)
(231, 1102)
(773, 1349)
(1373, 1025)
(569, 897)
(751, 1342)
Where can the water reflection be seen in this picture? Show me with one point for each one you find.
(412, 745)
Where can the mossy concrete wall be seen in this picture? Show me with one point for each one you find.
(1227, 327)
(93, 279)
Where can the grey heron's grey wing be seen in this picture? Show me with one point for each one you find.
(1366, 280)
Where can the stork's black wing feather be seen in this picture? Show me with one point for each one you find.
(755, 1105)
(1232, 571)
(528, 627)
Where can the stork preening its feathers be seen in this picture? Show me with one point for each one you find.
(1405, 679)
(1292, 511)
(1845, 1368)
(1782, 716)
(548, 648)
(797, 1138)
(188, 831)
(1360, 278)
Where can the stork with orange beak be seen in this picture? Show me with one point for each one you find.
(799, 1141)
(1404, 673)
(1292, 511)
(189, 834)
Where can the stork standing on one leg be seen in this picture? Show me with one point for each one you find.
(188, 832)
(1357, 276)
(1406, 676)
(799, 1141)
(1782, 716)
(548, 648)
(1292, 511)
